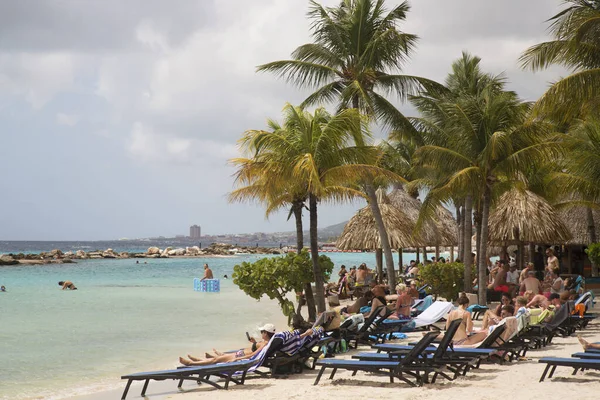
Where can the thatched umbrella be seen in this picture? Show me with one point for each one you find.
(521, 216)
(361, 231)
(575, 218)
(440, 231)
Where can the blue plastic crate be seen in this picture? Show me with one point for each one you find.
(207, 285)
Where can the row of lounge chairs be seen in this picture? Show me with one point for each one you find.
(415, 364)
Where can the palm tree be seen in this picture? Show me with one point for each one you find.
(581, 172)
(357, 52)
(436, 127)
(488, 140)
(264, 185)
(576, 46)
(324, 155)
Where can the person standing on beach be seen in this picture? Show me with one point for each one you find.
(208, 274)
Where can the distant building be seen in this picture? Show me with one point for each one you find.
(195, 232)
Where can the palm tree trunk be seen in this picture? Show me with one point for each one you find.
(400, 264)
(531, 252)
(477, 218)
(592, 235)
(418, 258)
(385, 241)
(379, 263)
(314, 253)
(485, 213)
(467, 259)
(460, 222)
(308, 293)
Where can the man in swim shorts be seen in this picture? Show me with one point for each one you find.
(208, 274)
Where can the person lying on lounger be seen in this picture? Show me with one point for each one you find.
(537, 301)
(491, 318)
(587, 345)
(466, 326)
(403, 303)
(266, 332)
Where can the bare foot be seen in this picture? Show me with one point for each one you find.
(217, 352)
(208, 355)
(194, 358)
(184, 361)
(583, 342)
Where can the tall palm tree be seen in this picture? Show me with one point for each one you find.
(580, 172)
(264, 185)
(576, 46)
(488, 140)
(437, 127)
(324, 155)
(354, 61)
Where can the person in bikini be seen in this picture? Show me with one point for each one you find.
(403, 303)
(466, 326)
(266, 332)
(67, 285)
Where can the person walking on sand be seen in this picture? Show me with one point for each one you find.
(67, 285)
(208, 274)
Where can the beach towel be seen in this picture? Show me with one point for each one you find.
(436, 311)
(425, 304)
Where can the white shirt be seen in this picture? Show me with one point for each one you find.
(512, 277)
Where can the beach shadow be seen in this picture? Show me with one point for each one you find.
(208, 389)
(485, 371)
(573, 379)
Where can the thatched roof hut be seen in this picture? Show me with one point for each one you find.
(575, 219)
(361, 231)
(523, 216)
(442, 231)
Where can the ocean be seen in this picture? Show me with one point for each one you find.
(125, 318)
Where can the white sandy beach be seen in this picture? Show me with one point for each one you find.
(518, 379)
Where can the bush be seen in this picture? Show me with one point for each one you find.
(275, 277)
(446, 280)
(593, 253)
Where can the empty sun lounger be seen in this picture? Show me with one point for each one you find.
(199, 374)
(433, 314)
(575, 363)
(399, 369)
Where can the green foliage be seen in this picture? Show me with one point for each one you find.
(593, 253)
(446, 280)
(275, 277)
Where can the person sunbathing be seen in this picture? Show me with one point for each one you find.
(491, 318)
(466, 326)
(403, 303)
(538, 301)
(358, 304)
(266, 332)
(587, 345)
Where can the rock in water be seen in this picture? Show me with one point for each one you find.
(153, 250)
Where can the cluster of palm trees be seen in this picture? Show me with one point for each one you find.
(473, 140)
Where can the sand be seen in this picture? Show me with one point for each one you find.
(518, 379)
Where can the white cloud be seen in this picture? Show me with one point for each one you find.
(67, 119)
(37, 77)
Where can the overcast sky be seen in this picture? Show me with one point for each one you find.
(117, 118)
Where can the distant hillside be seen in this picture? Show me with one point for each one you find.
(332, 232)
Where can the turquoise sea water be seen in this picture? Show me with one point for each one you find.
(125, 318)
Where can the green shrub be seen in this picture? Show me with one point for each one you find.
(446, 280)
(593, 253)
(275, 277)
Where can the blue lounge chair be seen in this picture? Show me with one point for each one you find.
(399, 369)
(575, 363)
(199, 374)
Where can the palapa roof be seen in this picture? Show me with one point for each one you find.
(575, 219)
(521, 215)
(441, 231)
(361, 231)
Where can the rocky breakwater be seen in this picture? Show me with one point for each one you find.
(57, 256)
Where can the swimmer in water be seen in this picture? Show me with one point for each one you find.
(67, 285)
(2, 288)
